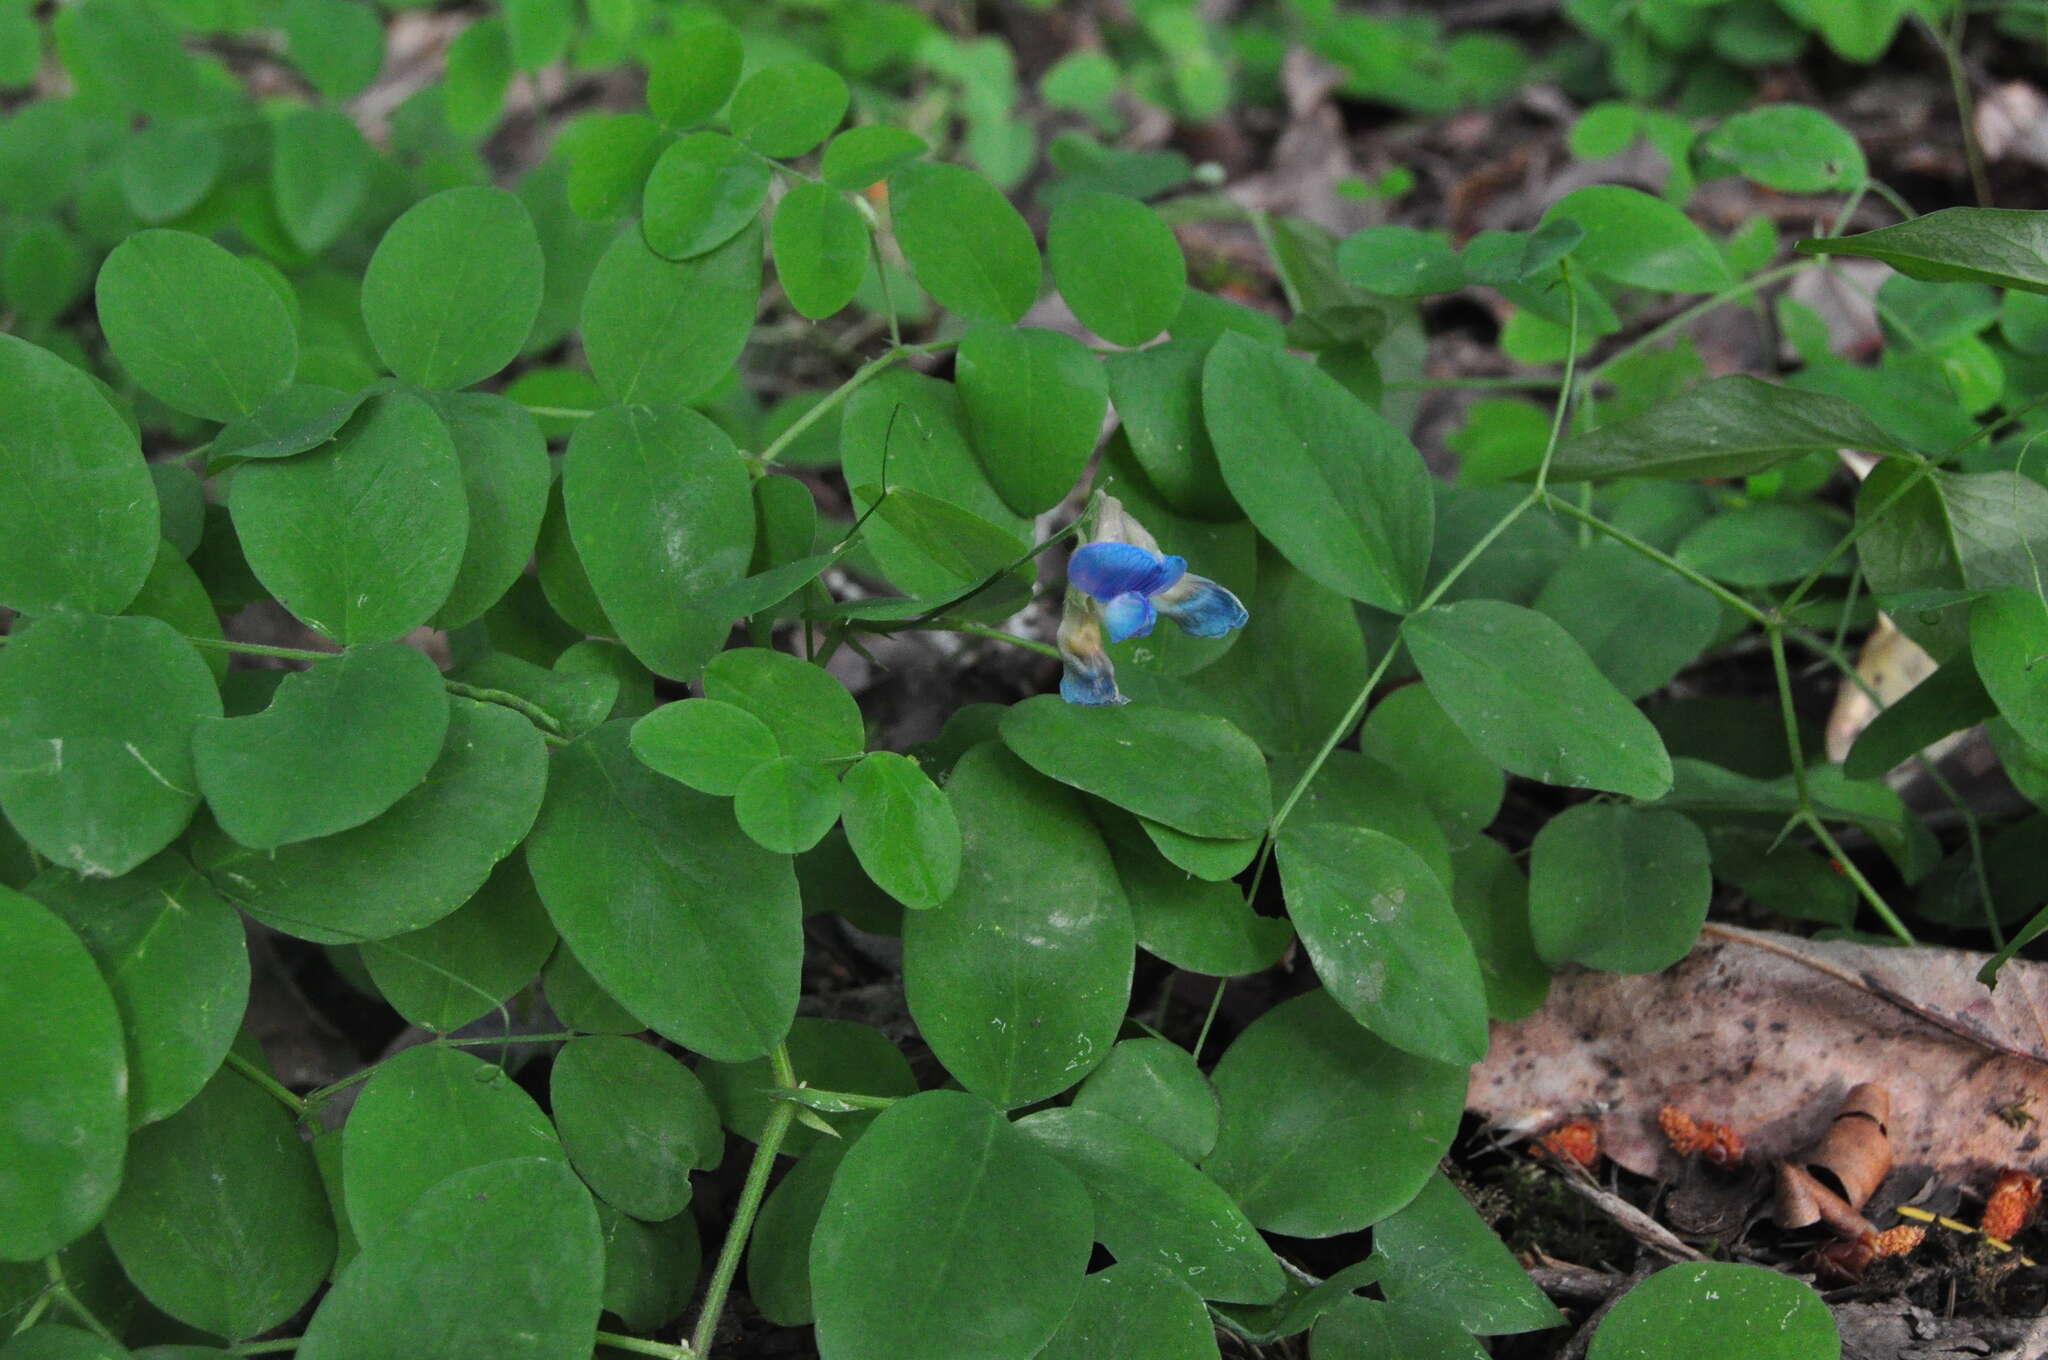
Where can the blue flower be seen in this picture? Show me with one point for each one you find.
(1088, 676)
(1134, 584)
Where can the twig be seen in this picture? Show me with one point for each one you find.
(1645, 1230)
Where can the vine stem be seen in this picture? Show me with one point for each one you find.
(751, 1193)
(865, 374)
(268, 1083)
(60, 1290)
(665, 1350)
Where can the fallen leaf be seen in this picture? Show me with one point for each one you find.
(1770, 1032)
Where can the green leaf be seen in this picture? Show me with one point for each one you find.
(960, 543)
(55, 1341)
(1212, 861)
(1932, 539)
(505, 476)
(573, 702)
(1158, 397)
(650, 1269)
(635, 1123)
(1019, 982)
(993, 1276)
(2006, 247)
(692, 73)
(702, 191)
(172, 953)
(1491, 895)
(1439, 1255)
(479, 72)
(78, 515)
(1410, 732)
(45, 273)
(1353, 790)
(909, 432)
(539, 30)
(301, 417)
(424, 1115)
(96, 722)
(1619, 888)
(493, 1261)
(168, 167)
(1635, 239)
(341, 742)
(362, 538)
(971, 250)
(821, 249)
(63, 1107)
(828, 1055)
(1195, 773)
(779, 1250)
(1386, 943)
(1202, 926)
(452, 291)
(1135, 1309)
(902, 829)
(469, 962)
(704, 743)
(1117, 264)
(1531, 700)
(674, 911)
(338, 45)
(1639, 621)
(413, 865)
(579, 1002)
(1367, 1329)
(174, 594)
(2008, 640)
(786, 109)
(610, 155)
(660, 510)
(1035, 400)
(805, 706)
(1727, 427)
(222, 1221)
(860, 156)
(658, 330)
(787, 804)
(1155, 1086)
(1403, 262)
(1336, 488)
(320, 171)
(1769, 543)
(1151, 1205)
(1949, 700)
(1789, 147)
(196, 327)
(1715, 1308)
(1326, 1129)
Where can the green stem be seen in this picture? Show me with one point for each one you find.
(666, 1350)
(1892, 196)
(60, 1290)
(525, 708)
(1571, 357)
(996, 635)
(319, 1096)
(864, 375)
(1951, 47)
(1775, 633)
(268, 1083)
(751, 1193)
(1483, 384)
(1209, 1020)
(1732, 293)
(1657, 555)
(561, 412)
(1864, 520)
(258, 649)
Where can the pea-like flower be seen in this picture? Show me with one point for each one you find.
(1117, 587)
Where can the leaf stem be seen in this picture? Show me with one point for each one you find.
(1753, 283)
(259, 649)
(1657, 555)
(60, 1290)
(268, 1083)
(665, 1350)
(779, 1118)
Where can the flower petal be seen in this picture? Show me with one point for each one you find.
(1079, 687)
(1107, 570)
(1089, 676)
(1202, 608)
(1127, 616)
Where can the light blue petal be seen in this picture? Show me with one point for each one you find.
(1202, 608)
(1128, 616)
(1107, 570)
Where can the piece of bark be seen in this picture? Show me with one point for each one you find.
(1768, 1033)
(1855, 1155)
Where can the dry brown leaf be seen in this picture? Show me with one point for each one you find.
(1768, 1033)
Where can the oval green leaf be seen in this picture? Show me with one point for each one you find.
(469, 962)
(787, 804)
(1634, 238)
(633, 1120)
(701, 192)
(805, 706)
(1117, 264)
(1035, 401)
(1619, 888)
(902, 829)
(1716, 1308)
(658, 330)
(674, 911)
(1155, 1085)
(821, 249)
(972, 251)
(1020, 981)
(1531, 700)
(505, 477)
(786, 109)
(993, 1276)
(96, 723)
(707, 744)
(451, 293)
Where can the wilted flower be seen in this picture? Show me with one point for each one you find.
(1119, 584)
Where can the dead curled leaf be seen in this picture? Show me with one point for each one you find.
(1770, 1032)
